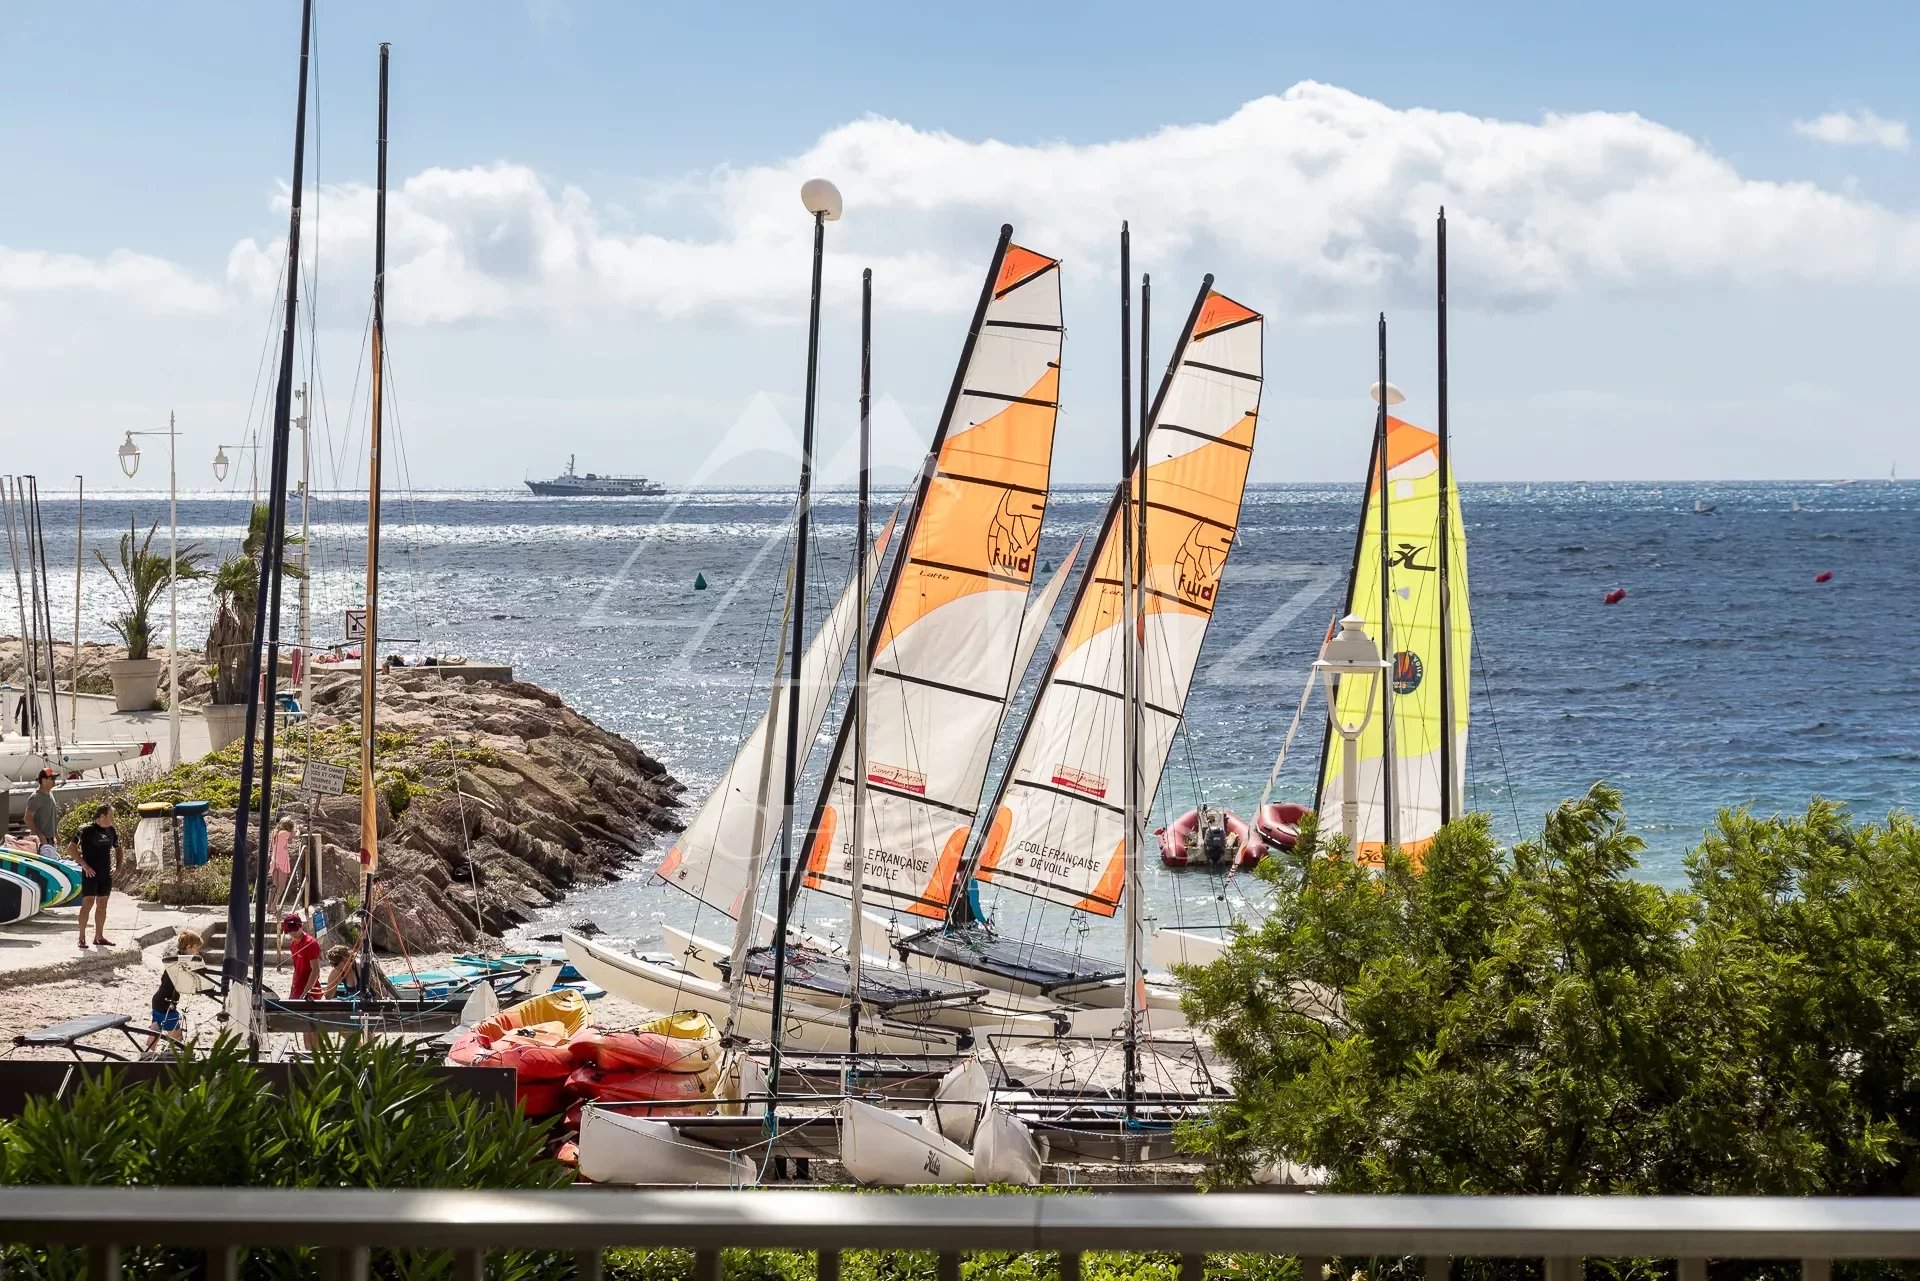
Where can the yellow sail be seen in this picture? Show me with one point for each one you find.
(1411, 640)
(946, 650)
(1058, 825)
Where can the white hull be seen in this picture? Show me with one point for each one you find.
(1163, 999)
(20, 763)
(1008, 1013)
(666, 988)
(627, 1148)
(884, 1150)
(1004, 1151)
(1168, 948)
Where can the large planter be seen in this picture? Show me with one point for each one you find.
(136, 683)
(226, 722)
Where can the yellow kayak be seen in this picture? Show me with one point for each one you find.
(562, 1005)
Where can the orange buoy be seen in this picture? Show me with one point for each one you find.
(1824, 576)
(1614, 597)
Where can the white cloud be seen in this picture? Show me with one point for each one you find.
(1855, 129)
(1315, 201)
(152, 284)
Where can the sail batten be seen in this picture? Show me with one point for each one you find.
(948, 642)
(1058, 826)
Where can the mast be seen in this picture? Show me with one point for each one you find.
(797, 640)
(1448, 801)
(1390, 824)
(43, 592)
(863, 666)
(266, 613)
(73, 664)
(928, 467)
(1129, 669)
(1131, 648)
(29, 714)
(370, 643)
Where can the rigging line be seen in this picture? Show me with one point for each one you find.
(1499, 744)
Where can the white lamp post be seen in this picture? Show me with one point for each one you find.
(1351, 654)
(221, 463)
(130, 463)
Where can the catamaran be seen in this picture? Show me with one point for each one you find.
(959, 587)
(1408, 585)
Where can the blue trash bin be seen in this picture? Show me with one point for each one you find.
(193, 831)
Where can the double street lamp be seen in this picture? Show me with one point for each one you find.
(1351, 655)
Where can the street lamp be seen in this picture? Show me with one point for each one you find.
(221, 463)
(1350, 654)
(1394, 395)
(130, 463)
(822, 201)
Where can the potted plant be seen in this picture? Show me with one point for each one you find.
(230, 640)
(142, 575)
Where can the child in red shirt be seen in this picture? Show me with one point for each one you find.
(305, 950)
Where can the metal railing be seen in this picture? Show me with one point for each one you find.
(347, 1224)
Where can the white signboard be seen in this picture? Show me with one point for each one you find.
(322, 779)
(356, 626)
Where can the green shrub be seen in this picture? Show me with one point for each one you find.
(190, 887)
(366, 1114)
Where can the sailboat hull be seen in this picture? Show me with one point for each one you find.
(1168, 948)
(884, 1150)
(622, 1148)
(663, 987)
(879, 935)
(20, 763)
(1006, 1014)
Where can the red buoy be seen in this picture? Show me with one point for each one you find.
(1824, 576)
(1614, 597)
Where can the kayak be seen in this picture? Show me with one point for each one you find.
(558, 1006)
(536, 1053)
(642, 1086)
(679, 1043)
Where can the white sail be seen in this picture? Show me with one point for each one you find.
(716, 859)
(1058, 826)
(948, 638)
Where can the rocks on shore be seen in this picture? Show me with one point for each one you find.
(494, 799)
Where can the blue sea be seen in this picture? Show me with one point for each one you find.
(1727, 677)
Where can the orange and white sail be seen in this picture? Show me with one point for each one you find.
(1413, 684)
(945, 650)
(1058, 827)
(720, 855)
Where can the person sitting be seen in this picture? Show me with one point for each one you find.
(348, 981)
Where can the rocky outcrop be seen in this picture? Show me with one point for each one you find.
(493, 801)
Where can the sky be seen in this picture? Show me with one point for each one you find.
(1683, 238)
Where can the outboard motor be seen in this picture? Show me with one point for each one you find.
(1213, 839)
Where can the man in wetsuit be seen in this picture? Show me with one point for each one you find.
(95, 845)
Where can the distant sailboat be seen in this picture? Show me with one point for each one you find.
(1701, 507)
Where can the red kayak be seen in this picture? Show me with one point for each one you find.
(643, 1086)
(543, 1098)
(534, 1053)
(645, 1051)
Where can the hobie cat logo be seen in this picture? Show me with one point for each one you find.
(1407, 672)
(1199, 561)
(1013, 535)
(1407, 556)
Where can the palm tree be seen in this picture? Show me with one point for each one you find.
(236, 594)
(144, 574)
